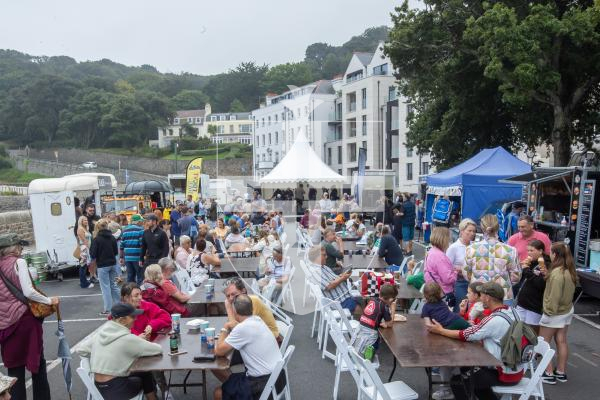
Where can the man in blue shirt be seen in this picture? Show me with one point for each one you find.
(131, 249)
(408, 223)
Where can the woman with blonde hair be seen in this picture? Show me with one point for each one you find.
(456, 253)
(163, 292)
(491, 260)
(558, 309)
(84, 239)
(438, 267)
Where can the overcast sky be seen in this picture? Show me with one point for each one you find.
(199, 36)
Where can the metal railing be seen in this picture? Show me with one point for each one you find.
(22, 190)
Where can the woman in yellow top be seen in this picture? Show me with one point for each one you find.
(558, 308)
(221, 230)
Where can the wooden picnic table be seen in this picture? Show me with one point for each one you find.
(200, 299)
(406, 291)
(189, 342)
(244, 267)
(364, 262)
(354, 246)
(414, 347)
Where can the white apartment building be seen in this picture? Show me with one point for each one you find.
(369, 114)
(309, 109)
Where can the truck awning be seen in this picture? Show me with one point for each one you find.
(540, 174)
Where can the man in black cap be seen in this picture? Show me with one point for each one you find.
(155, 243)
(490, 332)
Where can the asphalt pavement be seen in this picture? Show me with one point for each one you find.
(310, 375)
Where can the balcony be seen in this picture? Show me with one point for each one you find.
(265, 165)
(352, 107)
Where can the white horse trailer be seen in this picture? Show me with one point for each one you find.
(53, 213)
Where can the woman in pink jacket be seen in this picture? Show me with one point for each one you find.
(154, 318)
(438, 267)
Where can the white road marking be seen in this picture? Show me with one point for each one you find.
(585, 359)
(80, 295)
(586, 321)
(77, 320)
(571, 364)
(58, 361)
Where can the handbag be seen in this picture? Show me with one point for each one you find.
(39, 310)
(77, 252)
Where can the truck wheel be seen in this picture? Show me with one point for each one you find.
(59, 276)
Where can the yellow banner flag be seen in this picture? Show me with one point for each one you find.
(192, 183)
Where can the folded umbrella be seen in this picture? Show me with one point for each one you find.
(64, 352)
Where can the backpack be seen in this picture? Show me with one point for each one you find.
(518, 342)
(442, 208)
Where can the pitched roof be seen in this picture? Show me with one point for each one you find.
(364, 57)
(189, 113)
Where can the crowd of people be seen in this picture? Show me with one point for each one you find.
(471, 288)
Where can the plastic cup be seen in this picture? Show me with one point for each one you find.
(176, 321)
(210, 337)
(203, 326)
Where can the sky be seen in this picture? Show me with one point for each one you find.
(198, 36)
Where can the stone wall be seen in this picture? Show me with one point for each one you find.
(18, 222)
(13, 203)
(54, 169)
(157, 166)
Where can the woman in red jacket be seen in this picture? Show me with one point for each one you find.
(153, 320)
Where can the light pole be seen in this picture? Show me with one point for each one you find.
(176, 148)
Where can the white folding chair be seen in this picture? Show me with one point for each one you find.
(285, 330)
(373, 388)
(405, 261)
(287, 296)
(283, 237)
(87, 377)
(418, 267)
(307, 277)
(532, 386)
(270, 389)
(344, 362)
(336, 318)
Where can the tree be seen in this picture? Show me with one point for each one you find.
(80, 121)
(242, 83)
(189, 131)
(549, 53)
(280, 77)
(189, 100)
(236, 106)
(212, 129)
(125, 123)
(453, 101)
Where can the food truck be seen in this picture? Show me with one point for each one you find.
(53, 213)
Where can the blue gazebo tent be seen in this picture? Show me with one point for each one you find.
(475, 182)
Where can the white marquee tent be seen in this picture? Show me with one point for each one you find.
(301, 164)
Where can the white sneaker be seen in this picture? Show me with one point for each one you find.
(442, 394)
(168, 395)
(91, 285)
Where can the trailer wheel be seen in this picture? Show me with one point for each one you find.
(59, 276)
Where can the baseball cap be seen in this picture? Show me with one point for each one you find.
(151, 217)
(120, 310)
(492, 289)
(11, 239)
(136, 218)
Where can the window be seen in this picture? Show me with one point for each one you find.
(283, 116)
(364, 98)
(257, 123)
(351, 152)
(276, 137)
(364, 125)
(231, 128)
(410, 110)
(262, 122)
(257, 140)
(170, 132)
(269, 121)
(354, 76)
(213, 117)
(176, 121)
(351, 102)
(221, 129)
(276, 157)
(190, 120)
(232, 118)
(425, 169)
(409, 171)
(329, 156)
(198, 120)
(263, 140)
(269, 139)
(299, 114)
(364, 145)
(392, 93)
(264, 157)
(352, 127)
(339, 155)
(380, 69)
(306, 110)
(222, 118)
(292, 135)
(270, 159)
(276, 118)
(409, 152)
(245, 128)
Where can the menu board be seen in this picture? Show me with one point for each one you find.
(586, 205)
